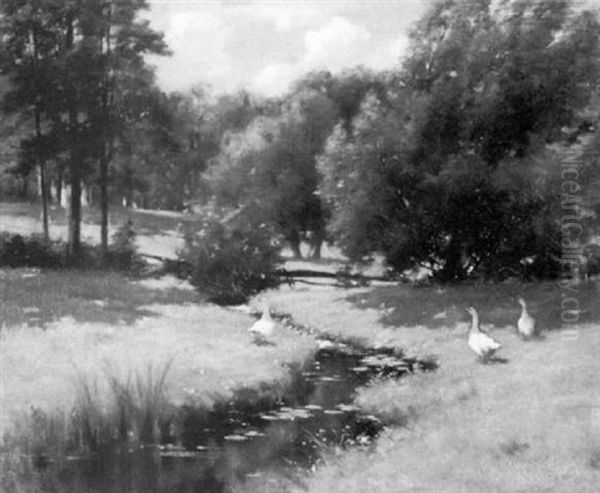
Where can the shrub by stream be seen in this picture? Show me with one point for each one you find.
(230, 262)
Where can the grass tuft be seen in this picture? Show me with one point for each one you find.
(108, 413)
(130, 412)
(514, 447)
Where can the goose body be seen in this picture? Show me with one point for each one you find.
(264, 327)
(481, 343)
(526, 323)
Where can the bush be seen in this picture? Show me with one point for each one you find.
(35, 251)
(230, 262)
(122, 252)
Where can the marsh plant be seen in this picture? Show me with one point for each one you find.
(108, 413)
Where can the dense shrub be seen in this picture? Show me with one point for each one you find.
(230, 262)
(34, 251)
(122, 252)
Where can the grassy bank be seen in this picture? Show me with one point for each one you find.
(531, 424)
(64, 332)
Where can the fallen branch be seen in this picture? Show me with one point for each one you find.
(181, 266)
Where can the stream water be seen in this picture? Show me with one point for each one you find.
(248, 440)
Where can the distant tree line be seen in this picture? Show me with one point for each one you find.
(451, 161)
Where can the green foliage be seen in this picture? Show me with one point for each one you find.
(454, 169)
(271, 166)
(122, 252)
(364, 175)
(35, 251)
(80, 67)
(230, 259)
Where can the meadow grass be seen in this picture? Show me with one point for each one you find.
(417, 319)
(531, 424)
(156, 231)
(103, 336)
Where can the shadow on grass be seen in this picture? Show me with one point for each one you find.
(36, 297)
(497, 360)
(444, 305)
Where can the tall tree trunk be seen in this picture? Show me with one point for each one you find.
(75, 155)
(294, 240)
(316, 242)
(107, 137)
(128, 183)
(44, 200)
(43, 186)
(75, 208)
(104, 204)
(316, 246)
(37, 113)
(59, 188)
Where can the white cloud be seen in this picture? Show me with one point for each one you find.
(389, 55)
(286, 15)
(276, 78)
(200, 42)
(337, 45)
(266, 44)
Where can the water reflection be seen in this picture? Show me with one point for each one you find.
(252, 437)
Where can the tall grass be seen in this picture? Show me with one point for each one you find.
(114, 412)
(132, 414)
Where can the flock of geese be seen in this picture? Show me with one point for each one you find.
(482, 343)
(478, 340)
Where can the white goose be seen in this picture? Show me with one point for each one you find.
(526, 323)
(264, 327)
(483, 345)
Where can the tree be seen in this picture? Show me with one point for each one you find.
(182, 136)
(271, 167)
(477, 105)
(367, 179)
(30, 42)
(69, 60)
(120, 41)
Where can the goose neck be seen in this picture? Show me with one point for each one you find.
(266, 315)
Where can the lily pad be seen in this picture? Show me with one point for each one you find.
(254, 433)
(329, 379)
(313, 407)
(347, 407)
(235, 438)
(179, 454)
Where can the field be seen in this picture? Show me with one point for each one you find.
(529, 424)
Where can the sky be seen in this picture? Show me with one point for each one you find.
(264, 45)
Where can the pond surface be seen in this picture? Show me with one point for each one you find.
(248, 441)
